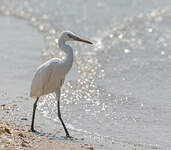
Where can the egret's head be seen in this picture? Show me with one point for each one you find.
(69, 36)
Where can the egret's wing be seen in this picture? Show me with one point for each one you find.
(48, 77)
(40, 80)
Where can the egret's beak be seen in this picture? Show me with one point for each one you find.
(82, 40)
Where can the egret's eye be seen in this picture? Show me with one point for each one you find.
(70, 36)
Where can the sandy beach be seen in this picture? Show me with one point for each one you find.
(13, 137)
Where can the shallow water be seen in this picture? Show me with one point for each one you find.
(118, 91)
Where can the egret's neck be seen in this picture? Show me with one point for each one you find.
(69, 54)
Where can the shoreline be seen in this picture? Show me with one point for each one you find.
(14, 137)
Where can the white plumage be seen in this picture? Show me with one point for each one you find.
(50, 76)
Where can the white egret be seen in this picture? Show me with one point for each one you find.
(50, 76)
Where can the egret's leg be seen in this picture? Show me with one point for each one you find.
(59, 112)
(33, 116)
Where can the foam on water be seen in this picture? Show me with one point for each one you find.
(121, 94)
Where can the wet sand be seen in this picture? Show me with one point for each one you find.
(13, 137)
(20, 56)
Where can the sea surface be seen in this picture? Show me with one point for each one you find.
(118, 92)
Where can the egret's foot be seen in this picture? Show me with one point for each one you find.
(74, 138)
(32, 130)
(69, 137)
